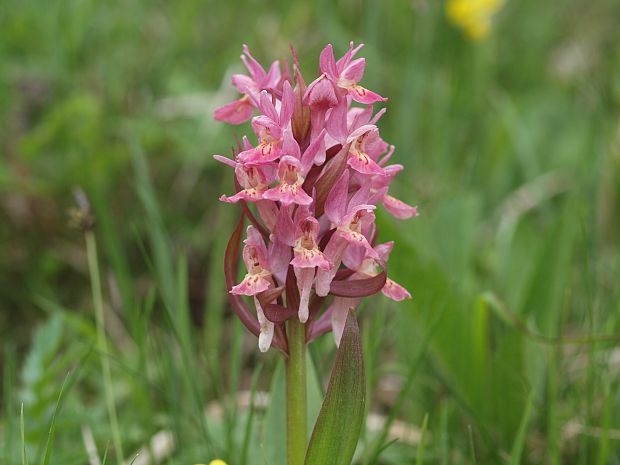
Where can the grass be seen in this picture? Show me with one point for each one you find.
(512, 152)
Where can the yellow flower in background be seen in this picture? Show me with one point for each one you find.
(214, 462)
(473, 16)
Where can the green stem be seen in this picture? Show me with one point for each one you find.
(102, 343)
(296, 404)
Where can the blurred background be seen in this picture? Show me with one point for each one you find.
(507, 118)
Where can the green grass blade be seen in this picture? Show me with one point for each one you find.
(404, 392)
(472, 446)
(23, 436)
(52, 429)
(519, 442)
(422, 447)
(105, 456)
(247, 435)
(10, 426)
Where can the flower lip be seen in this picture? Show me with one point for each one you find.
(289, 190)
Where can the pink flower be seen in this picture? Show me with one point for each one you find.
(235, 112)
(398, 208)
(321, 94)
(346, 73)
(367, 267)
(292, 170)
(351, 127)
(307, 258)
(309, 185)
(239, 111)
(254, 180)
(379, 189)
(256, 258)
(352, 219)
(258, 279)
(259, 79)
(270, 127)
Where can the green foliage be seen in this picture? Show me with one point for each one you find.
(511, 149)
(339, 424)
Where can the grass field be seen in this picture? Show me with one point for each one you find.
(509, 351)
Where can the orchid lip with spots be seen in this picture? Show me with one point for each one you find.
(309, 185)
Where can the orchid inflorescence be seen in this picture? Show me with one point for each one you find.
(315, 177)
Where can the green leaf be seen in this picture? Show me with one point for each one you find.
(340, 420)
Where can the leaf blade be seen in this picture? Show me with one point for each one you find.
(340, 420)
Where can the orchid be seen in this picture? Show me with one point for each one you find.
(310, 186)
(314, 205)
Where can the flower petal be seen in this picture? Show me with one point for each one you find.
(314, 154)
(362, 163)
(354, 70)
(321, 93)
(305, 278)
(273, 76)
(333, 252)
(288, 194)
(251, 285)
(336, 123)
(398, 208)
(230, 271)
(340, 311)
(249, 195)
(327, 61)
(288, 104)
(362, 95)
(253, 66)
(332, 171)
(348, 56)
(336, 202)
(236, 112)
(284, 230)
(311, 259)
(395, 291)
(266, 328)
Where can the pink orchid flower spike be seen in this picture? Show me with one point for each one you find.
(309, 184)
